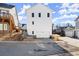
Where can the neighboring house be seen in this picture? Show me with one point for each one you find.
(39, 21)
(23, 26)
(77, 23)
(8, 17)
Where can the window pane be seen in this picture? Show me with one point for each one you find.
(48, 14)
(32, 32)
(39, 14)
(32, 14)
(32, 22)
(5, 27)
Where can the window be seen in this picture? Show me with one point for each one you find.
(32, 14)
(5, 26)
(32, 22)
(39, 14)
(32, 32)
(48, 14)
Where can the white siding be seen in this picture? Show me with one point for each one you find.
(42, 25)
(69, 33)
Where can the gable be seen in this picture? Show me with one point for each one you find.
(39, 7)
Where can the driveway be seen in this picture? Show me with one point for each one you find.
(40, 47)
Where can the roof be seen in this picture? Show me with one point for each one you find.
(6, 5)
(23, 25)
(37, 5)
(77, 18)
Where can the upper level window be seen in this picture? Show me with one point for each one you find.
(39, 14)
(32, 14)
(32, 22)
(48, 14)
(32, 32)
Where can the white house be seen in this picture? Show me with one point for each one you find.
(39, 21)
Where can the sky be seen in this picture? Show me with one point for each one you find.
(62, 14)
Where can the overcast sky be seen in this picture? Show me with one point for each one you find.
(61, 15)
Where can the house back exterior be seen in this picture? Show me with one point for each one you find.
(39, 21)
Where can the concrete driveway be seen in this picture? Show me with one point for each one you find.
(40, 47)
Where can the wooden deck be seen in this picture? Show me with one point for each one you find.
(16, 36)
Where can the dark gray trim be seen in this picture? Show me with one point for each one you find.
(6, 5)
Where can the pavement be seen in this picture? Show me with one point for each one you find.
(40, 47)
(70, 41)
(69, 44)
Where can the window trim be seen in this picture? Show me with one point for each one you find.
(32, 14)
(39, 15)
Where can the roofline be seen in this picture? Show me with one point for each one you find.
(11, 6)
(77, 18)
(37, 4)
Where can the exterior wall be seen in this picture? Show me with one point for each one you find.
(69, 33)
(42, 25)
